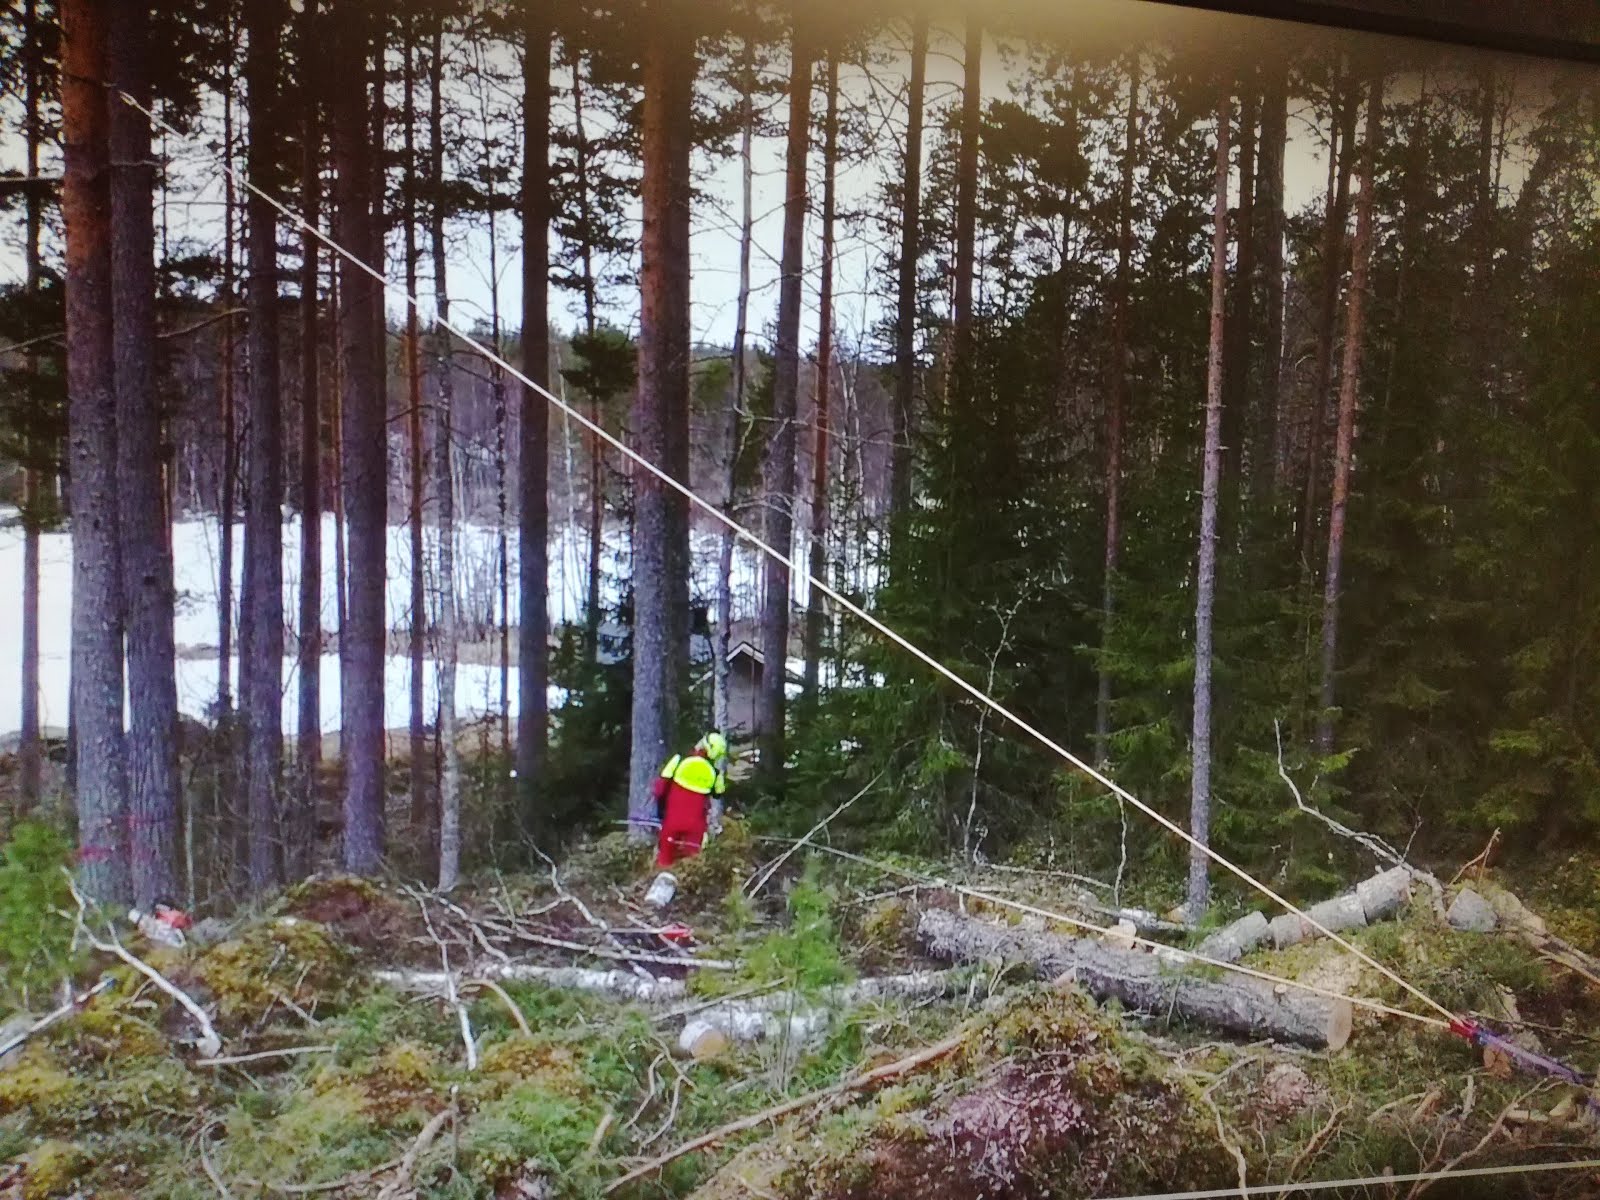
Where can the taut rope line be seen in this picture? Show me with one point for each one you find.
(848, 605)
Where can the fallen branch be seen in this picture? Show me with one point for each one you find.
(1379, 848)
(855, 1083)
(759, 881)
(628, 956)
(209, 1045)
(1313, 1148)
(233, 1060)
(451, 992)
(618, 985)
(1423, 1185)
(206, 1164)
(49, 1019)
(494, 989)
(399, 1185)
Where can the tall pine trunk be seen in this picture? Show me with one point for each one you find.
(1269, 197)
(819, 458)
(1116, 406)
(422, 818)
(660, 522)
(967, 209)
(229, 483)
(444, 492)
(778, 470)
(596, 530)
(533, 625)
(1206, 572)
(151, 753)
(97, 680)
(300, 848)
(721, 715)
(905, 334)
(1337, 216)
(1241, 303)
(30, 755)
(1349, 398)
(261, 679)
(364, 475)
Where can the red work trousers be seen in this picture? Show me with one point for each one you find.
(683, 825)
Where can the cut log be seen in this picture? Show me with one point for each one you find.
(1142, 981)
(1289, 930)
(1233, 942)
(1385, 893)
(1338, 914)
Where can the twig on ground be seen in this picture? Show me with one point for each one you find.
(855, 1083)
(759, 880)
(504, 997)
(452, 994)
(401, 1183)
(207, 1165)
(650, 1095)
(1312, 1148)
(476, 929)
(210, 1045)
(1494, 1130)
(628, 956)
(333, 1185)
(234, 1060)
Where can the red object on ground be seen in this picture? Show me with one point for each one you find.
(678, 933)
(175, 917)
(683, 825)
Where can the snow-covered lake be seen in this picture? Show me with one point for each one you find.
(196, 569)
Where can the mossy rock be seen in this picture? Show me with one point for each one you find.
(289, 956)
(359, 913)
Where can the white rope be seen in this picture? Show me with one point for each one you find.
(1372, 1181)
(933, 881)
(848, 605)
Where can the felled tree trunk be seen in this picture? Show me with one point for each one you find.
(1144, 982)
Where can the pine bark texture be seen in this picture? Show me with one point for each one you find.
(30, 752)
(778, 469)
(905, 335)
(1269, 195)
(967, 206)
(1349, 400)
(660, 520)
(97, 680)
(1145, 982)
(364, 475)
(299, 849)
(151, 750)
(261, 678)
(444, 492)
(422, 817)
(533, 626)
(1206, 570)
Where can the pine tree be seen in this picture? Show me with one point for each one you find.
(1206, 572)
(97, 679)
(905, 345)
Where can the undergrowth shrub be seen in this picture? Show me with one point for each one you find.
(35, 940)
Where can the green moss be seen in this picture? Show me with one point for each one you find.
(289, 956)
(53, 1168)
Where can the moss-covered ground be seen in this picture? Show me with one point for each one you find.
(1048, 1094)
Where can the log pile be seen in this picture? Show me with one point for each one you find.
(1144, 982)
(1373, 899)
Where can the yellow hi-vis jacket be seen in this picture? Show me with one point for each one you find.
(695, 774)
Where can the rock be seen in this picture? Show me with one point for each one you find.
(1287, 1091)
(1514, 913)
(1471, 913)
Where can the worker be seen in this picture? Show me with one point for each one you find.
(688, 796)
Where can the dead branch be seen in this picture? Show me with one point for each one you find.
(452, 995)
(494, 989)
(1313, 1147)
(1477, 864)
(234, 1060)
(759, 880)
(1494, 1130)
(856, 1083)
(210, 1045)
(207, 1165)
(398, 1186)
(1379, 848)
(628, 956)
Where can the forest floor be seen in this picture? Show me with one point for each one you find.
(345, 1073)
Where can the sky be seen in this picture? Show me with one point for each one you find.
(190, 212)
